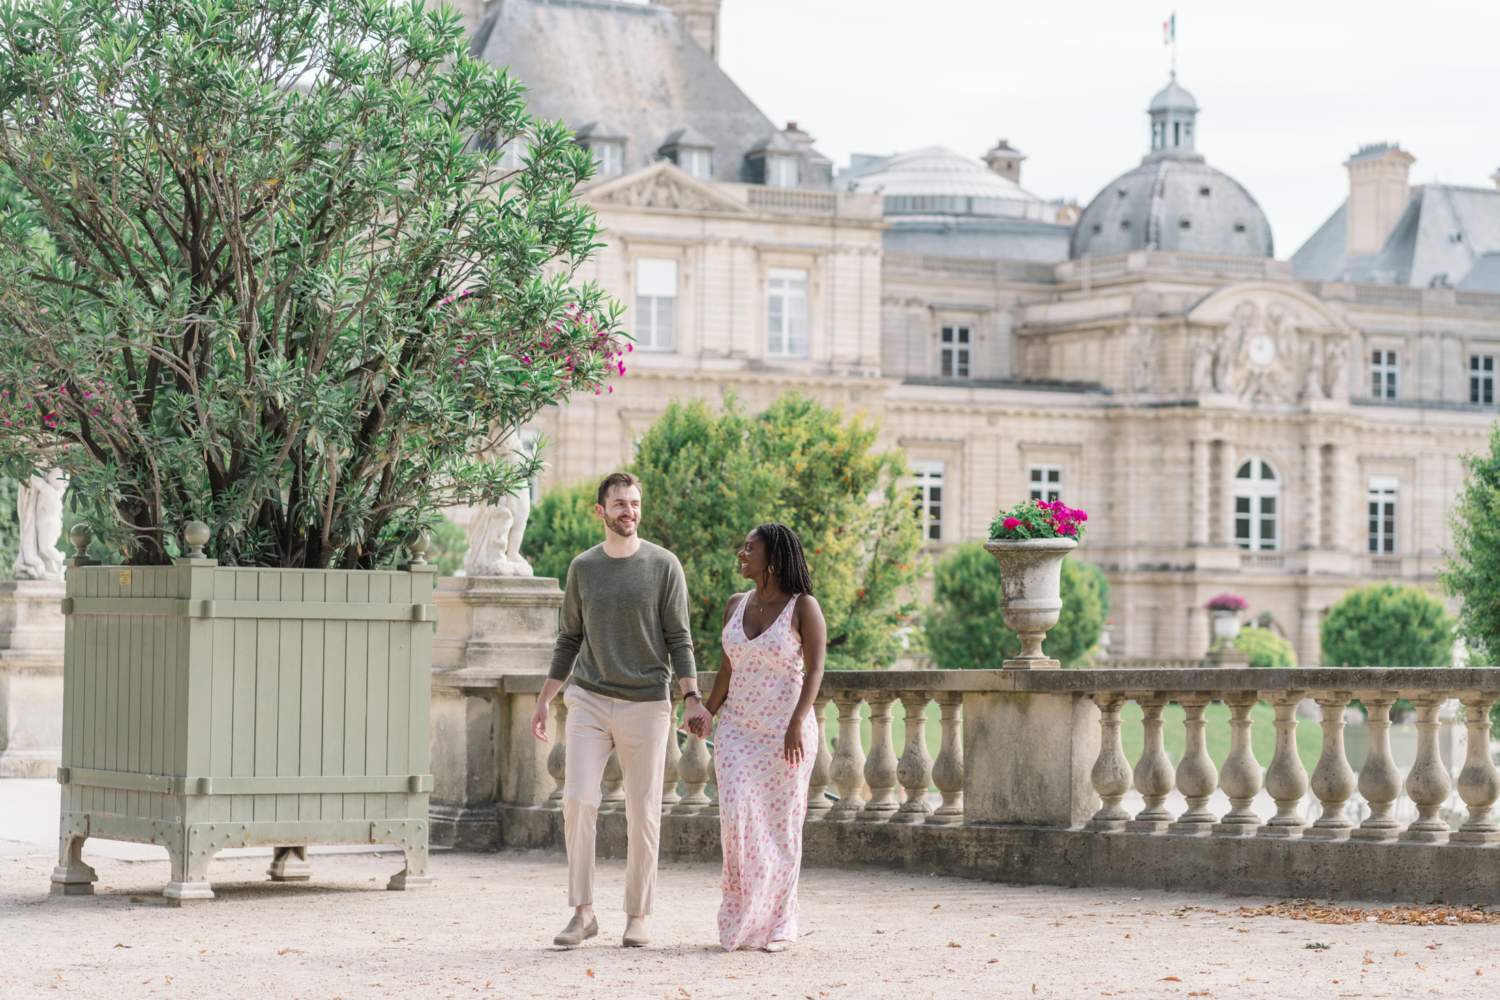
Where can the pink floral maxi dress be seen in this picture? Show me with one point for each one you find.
(762, 798)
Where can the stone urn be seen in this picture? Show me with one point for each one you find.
(1226, 625)
(1031, 593)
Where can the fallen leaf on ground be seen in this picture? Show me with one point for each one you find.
(1422, 916)
(993, 961)
(137, 899)
(954, 944)
(937, 906)
(124, 946)
(1169, 979)
(589, 971)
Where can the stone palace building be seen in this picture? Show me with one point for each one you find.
(1281, 429)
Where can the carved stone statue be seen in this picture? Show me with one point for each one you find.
(1336, 380)
(1231, 339)
(496, 530)
(39, 505)
(1142, 360)
(1203, 365)
(1312, 387)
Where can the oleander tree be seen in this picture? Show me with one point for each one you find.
(263, 268)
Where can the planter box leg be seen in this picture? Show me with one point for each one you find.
(290, 865)
(72, 877)
(189, 873)
(414, 875)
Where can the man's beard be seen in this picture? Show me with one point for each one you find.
(613, 524)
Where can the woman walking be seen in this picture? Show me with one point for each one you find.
(774, 639)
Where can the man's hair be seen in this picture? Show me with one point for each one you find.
(616, 479)
(785, 559)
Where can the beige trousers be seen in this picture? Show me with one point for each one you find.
(639, 731)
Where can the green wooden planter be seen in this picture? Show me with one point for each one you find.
(209, 707)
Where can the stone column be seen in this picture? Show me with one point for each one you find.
(848, 770)
(1427, 782)
(818, 779)
(1286, 778)
(914, 770)
(1227, 468)
(672, 766)
(1333, 778)
(557, 758)
(693, 766)
(1196, 775)
(880, 766)
(491, 625)
(1312, 495)
(1155, 777)
(1111, 772)
(1241, 776)
(31, 678)
(1337, 534)
(1379, 780)
(1028, 757)
(948, 770)
(1478, 782)
(1199, 534)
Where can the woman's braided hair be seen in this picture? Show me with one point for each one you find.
(784, 558)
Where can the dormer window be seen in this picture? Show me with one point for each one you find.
(781, 171)
(692, 151)
(775, 162)
(607, 145)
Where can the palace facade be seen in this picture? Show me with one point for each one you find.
(1281, 429)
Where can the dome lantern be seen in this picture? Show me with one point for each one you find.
(1174, 115)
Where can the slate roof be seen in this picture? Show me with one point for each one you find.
(632, 65)
(1447, 233)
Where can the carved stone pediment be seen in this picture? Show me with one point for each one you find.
(1269, 344)
(663, 186)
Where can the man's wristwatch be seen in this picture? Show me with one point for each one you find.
(695, 694)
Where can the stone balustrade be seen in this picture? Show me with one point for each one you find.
(1032, 782)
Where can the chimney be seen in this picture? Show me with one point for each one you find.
(1378, 193)
(1005, 161)
(700, 18)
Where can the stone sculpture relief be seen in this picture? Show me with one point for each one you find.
(1231, 341)
(1203, 366)
(661, 190)
(496, 530)
(39, 508)
(1312, 384)
(1336, 381)
(1142, 360)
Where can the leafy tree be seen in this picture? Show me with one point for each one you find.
(1264, 647)
(965, 630)
(561, 526)
(448, 545)
(1472, 571)
(708, 476)
(1384, 625)
(290, 291)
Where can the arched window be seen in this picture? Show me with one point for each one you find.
(1257, 510)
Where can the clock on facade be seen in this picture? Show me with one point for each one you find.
(1262, 350)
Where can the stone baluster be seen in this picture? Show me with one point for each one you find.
(1428, 783)
(1286, 778)
(1379, 780)
(1155, 777)
(712, 809)
(848, 769)
(1111, 774)
(671, 771)
(915, 768)
(880, 766)
(1241, 776)
(693, 766)
(614, 785)
(818, 778)
(1332, 778)
(1478, 782)
(1196, 775)
(948, 769)
(557, 757)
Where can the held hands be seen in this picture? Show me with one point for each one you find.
(696, 719)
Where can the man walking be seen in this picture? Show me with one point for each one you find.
(623, 633)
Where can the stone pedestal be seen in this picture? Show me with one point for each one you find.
(496, 624)
(489, 629)
(31, 678)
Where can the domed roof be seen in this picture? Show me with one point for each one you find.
(938, 181)
(1173, 204)
(1173, 97)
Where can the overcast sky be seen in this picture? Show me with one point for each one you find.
(1287, 89)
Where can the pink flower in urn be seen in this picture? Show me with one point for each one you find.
(1012, 523)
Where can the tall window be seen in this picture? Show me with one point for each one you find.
(781, 171)
(1383, 514)
(697, 162)
(927, 476)
(955, 352)
(1383, 375)
(1046, 482)
(610, 156)
(1482, 379)
(655, 302)
(1257, 496)
(510, 155)
(786, 313)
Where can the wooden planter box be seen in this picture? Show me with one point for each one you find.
(208, 707)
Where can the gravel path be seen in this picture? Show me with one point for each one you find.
(485, 931)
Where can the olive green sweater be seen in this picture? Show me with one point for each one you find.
(624, 628)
